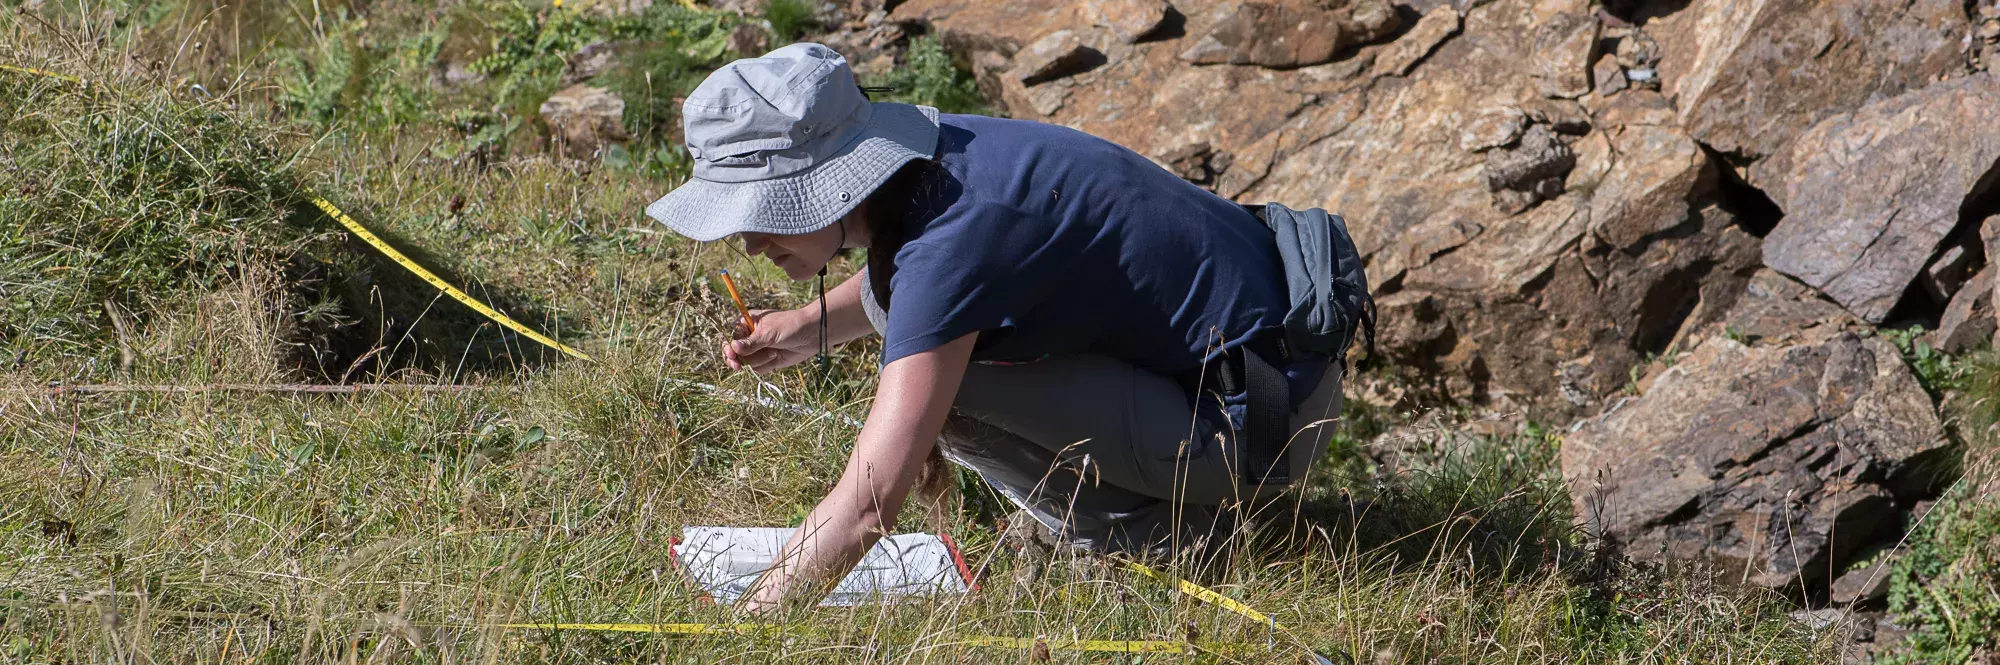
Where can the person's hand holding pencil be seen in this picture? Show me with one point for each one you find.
(767, 340)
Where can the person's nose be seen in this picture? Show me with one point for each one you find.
(755, 244)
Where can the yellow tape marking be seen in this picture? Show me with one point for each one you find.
(447, 288)
(986, 641)
(1204, 594)
(385, 249)
(39, 72)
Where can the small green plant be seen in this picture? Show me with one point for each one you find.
(789, 19)
(1947, 584)
(1936, 370)
(928, 77)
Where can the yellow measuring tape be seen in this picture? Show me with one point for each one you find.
(375, 241)
(1203, 594)
(462, 297)
(39, 72)
(981, 641)
(1192, 590)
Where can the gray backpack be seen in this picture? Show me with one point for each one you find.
(1328, 285)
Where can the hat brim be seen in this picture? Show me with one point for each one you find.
(812, 199)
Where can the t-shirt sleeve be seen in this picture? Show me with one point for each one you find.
(939, 295)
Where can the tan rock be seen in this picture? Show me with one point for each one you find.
(1288, 33)
(1128, 20)
(1748, 75)
(1437, 25)
(1564, 49)
(1055, 55)
(1608, 77)
(610, 7)
(583, 119)
(1870, 195)
(749, 40)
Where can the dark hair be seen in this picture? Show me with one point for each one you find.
(901, 200)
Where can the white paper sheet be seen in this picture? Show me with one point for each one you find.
(725, 561)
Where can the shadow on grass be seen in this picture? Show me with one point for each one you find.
(1496, 504)
(392, 321)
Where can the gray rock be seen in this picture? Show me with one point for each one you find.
(1777, 461)
(1947, 272)
(1775, 309)
(1870, 195)
(593, 59)
(1969, 320)
(1864, 585)
(1530, 172)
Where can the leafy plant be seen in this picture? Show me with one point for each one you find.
(1936, 370)
(1947, 584)
(929, 77)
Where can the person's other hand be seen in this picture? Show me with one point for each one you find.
(783, 339)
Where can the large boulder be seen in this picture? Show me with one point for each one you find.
(1870, 196)
(1748, 75)
(1779, 461)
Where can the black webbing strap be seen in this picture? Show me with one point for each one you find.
(1267, 425)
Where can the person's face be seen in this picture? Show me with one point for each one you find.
(802, 256)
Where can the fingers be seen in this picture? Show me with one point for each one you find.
(756, 316)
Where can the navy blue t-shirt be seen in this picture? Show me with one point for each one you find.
(1049, 241)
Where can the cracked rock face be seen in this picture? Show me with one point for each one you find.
(1870, 196)
(1776, 460)
(1749, 75)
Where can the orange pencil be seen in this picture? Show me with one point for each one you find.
(733, 295)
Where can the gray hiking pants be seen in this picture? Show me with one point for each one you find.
(1109, 456)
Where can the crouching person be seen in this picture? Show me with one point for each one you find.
(1114, 349)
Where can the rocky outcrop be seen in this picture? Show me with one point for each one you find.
(1749, 75)
(1779, 461)
(1546, 194)
(1870, 196)
(584, 119)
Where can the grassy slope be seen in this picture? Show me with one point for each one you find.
(182, 528)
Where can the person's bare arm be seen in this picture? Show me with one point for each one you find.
(786, 337)
(911, 404)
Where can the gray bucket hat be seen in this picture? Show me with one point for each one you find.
(787, 144)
